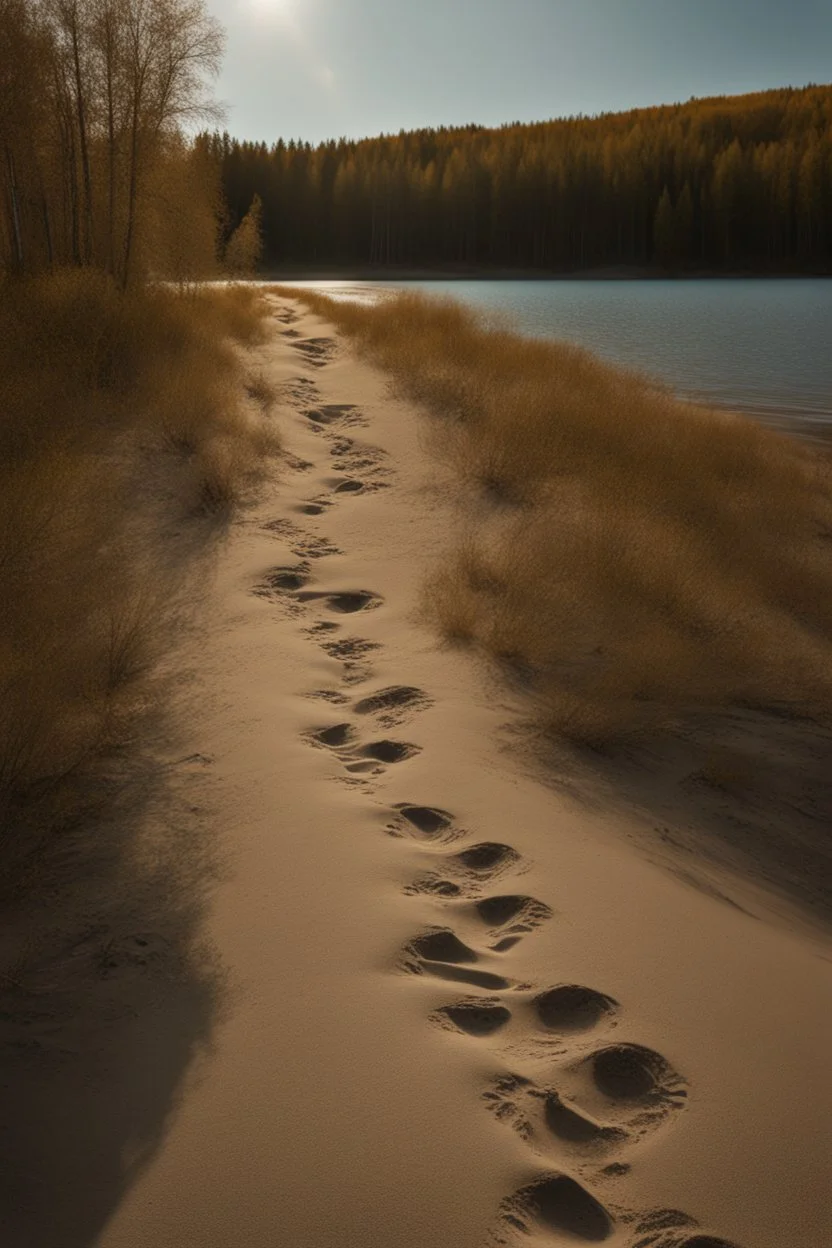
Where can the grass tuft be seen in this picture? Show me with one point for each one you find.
(121, 416)
(642, 559)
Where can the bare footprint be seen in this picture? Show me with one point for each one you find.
(474, 1017)
(389, 751)
(558, 1203)
(432, 885)
(440, 952)
(334, 696)
(428, 822)
(316, 351)
(314, 508)
(572, 1007)
(309, 547)
(626, 1085)
(330, 413)
(671, 1228)
(344, 602)
(512, 913)
(485, 859)
(395, 697)
(393, 705)
(283, 581)
(334, 738)
(634, 1073)
(538, 1114)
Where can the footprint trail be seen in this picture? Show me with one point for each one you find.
(579, 1098)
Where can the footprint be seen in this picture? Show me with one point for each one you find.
(322, 626)
(432, 885)
(539, 1113)
(428, 821)
(284, 528)
(334, 738)
(316, 351)
(313, 508)
(288, 579)
(627, 1086)
(442, 945)
(475, 1017)
(558, 1203)
(302, 389)
(346, 602)
(572, 1007)
(280, 581)
(671, 1228)
(309, 547)
(633, 1073)
(329, 413)
(572, 1127)
(327, 695)
(394, 698)
(389, 751)
(440, 952)
(513, 911)
(486, 858)
(352, 652)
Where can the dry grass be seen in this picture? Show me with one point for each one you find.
(637, 559)
(121, 418)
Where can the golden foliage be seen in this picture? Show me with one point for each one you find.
(124, 417)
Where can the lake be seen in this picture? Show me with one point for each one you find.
(763, 346)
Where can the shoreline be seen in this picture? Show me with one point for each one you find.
(369, 273)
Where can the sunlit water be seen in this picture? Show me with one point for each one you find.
(761, 346)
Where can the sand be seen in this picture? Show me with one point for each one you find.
(454, 1008)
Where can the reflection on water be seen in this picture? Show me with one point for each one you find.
(760, 345)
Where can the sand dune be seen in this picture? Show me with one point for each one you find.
(460, 1011)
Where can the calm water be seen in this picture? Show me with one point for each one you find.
(762, 346)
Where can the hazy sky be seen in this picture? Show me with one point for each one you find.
(317, 69)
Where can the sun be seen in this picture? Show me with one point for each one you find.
(274, 8)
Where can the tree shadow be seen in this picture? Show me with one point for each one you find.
(738, 795)
(108, 995)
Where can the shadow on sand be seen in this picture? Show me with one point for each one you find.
(107, 997)
(744, 793)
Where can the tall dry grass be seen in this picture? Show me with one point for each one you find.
(124, 423)
(638, 560)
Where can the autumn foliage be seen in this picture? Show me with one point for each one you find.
(742, 182)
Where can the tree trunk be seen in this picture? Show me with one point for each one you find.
(131, 199)
(14, 199)
(87, 228)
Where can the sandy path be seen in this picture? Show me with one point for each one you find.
(445, 984)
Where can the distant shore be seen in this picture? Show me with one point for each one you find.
(607, 273)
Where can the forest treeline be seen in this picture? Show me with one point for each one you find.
(98, 167)
(713, 184)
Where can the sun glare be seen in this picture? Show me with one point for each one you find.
(273, 8)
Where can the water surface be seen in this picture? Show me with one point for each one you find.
(759, 345)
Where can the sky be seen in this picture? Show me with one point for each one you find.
(320, 69)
